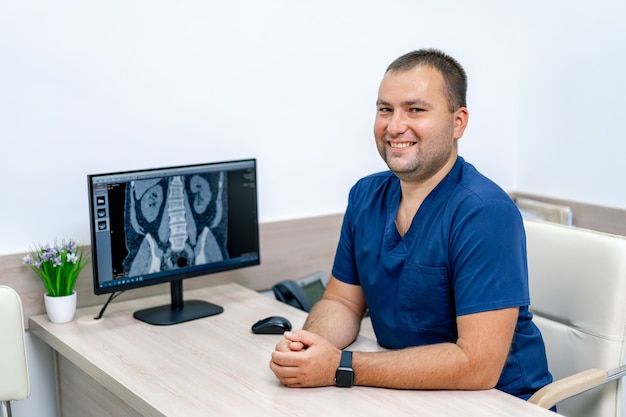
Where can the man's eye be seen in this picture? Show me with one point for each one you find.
(416, 110)
(384, 110)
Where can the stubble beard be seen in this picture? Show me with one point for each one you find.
(419, 168)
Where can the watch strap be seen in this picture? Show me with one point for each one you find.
(346, 359)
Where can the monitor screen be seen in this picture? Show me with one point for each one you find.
(167, 224)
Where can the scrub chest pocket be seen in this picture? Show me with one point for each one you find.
(427, 302)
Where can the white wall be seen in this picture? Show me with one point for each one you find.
(92, 87)
(88, 87)
(573, 67)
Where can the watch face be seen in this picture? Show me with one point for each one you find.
(344, 377)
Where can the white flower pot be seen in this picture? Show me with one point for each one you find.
(60, 309)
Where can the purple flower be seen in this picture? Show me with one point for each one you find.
(71, 246)
(46, 255)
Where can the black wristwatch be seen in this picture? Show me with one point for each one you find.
(344, 377)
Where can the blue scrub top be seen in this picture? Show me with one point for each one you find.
(464, 253)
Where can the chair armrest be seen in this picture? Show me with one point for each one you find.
(551, 394)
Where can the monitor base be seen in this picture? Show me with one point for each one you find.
(166, 315)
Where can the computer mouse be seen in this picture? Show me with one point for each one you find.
(271, 325)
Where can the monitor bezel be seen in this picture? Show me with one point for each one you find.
(175, 275)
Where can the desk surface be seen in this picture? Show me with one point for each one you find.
(216, 366)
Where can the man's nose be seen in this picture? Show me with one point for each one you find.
(398, 123)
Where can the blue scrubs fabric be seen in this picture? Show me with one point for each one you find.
(464, 253)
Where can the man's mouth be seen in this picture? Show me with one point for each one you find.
(400, 145)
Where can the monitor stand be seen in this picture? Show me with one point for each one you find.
(178, 311)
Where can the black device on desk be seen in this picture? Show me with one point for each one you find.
(272, 325)
(302, 293)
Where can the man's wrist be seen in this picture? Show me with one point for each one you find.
(344, 376)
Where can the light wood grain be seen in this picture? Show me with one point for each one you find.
(217, 366)
(84, 396)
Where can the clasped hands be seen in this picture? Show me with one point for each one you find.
(305, 359)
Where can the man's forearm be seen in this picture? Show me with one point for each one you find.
(442, 366)
(333, 321)
(475, 361)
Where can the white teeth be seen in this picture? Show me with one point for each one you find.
(400, 145)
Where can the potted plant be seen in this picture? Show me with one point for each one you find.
(58, 267)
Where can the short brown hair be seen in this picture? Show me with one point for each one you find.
(453, 73)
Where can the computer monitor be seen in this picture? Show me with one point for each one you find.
(153, 226)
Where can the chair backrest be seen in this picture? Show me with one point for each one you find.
(577, 283)
(14, 381)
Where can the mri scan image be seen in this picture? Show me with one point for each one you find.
(175, 222)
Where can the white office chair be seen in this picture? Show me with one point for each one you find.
(578, 296)
(14, 382)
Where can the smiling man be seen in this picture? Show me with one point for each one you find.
(433, 250)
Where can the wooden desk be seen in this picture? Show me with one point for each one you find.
(216, 366)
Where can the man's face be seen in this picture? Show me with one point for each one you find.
(414, 129)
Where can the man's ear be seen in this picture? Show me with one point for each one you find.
(461, 117)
